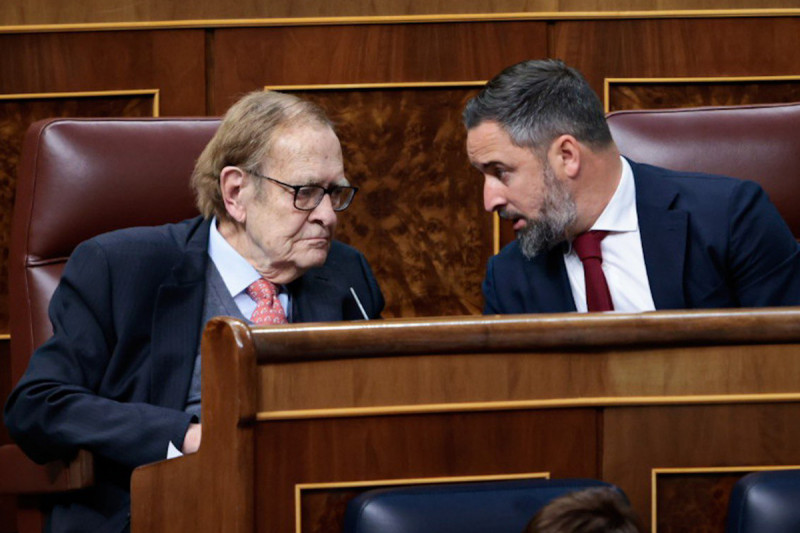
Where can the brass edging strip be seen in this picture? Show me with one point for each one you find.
(495, 233)
(607, 82)
(555, 403)
(155, 93)
(397, 19)
(701, 470)
(398, 482)
(375, 86)
(5, 336)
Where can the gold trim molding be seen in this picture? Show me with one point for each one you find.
(399, 482)
(555, 403)
(397, 19)
(655, 472)
(377, 86)
(608, 82)
(155, 93)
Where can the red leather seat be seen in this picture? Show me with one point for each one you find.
(755, 142)
(78, 178)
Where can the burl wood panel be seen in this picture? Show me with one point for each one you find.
(15, 117)
(416, 446)
(418, 214)
(689, 93)
(249, 58)
(638, 439)
(693, 502)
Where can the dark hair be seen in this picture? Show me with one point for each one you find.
(536, 101)
(597, 510)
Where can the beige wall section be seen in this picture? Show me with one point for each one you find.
(44, 12)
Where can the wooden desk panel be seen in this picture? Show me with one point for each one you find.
(335, 407)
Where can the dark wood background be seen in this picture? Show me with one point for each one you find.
(419, 215)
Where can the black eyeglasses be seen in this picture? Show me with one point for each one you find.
(308, 197)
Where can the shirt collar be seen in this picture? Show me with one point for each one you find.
(236, 272)
(620, 213)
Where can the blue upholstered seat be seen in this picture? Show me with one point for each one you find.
(484, 507)
(766, 502)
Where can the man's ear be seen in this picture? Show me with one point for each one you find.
(565, 155)
(231, 184)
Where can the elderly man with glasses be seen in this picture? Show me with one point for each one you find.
(121, 374)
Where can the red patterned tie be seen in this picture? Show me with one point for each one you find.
(587, 246)
(268, 309)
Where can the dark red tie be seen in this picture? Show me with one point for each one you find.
(587, 246)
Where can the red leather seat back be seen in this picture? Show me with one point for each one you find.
(755, 142)
(78, 178)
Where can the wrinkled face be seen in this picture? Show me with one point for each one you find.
(521, 187)
(282, 241)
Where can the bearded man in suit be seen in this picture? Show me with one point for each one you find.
(599, 232)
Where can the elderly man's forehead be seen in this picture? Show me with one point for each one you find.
(299, 138)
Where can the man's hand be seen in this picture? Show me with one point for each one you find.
(191, 442)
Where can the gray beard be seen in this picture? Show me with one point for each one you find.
(558, 212)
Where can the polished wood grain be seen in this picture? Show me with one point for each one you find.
(677, 48)
(257, 465)
(696, 93)
(19, 12)
(636, 440)
(171, 61)
(251, 58)
(301, 342)
(218, 492)
(388, 448)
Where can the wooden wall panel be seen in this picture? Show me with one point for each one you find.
(419, 218)
(171, 61)
(250, 58)
(561, 443)
(14, 12)
(418, 215)
(694, 437)
(678, 48)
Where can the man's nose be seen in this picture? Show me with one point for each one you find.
(324, 212)
(493, 194)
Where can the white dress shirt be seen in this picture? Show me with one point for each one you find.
(623, 257)
(238, 274)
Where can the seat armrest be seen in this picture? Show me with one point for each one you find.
(23, 476)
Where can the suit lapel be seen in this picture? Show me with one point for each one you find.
(664, 232)
(548, 288)
(314, 298)
(175, 331)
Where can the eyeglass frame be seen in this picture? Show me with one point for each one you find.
(296, 188)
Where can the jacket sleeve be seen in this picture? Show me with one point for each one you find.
(57, 407)
(764, 255)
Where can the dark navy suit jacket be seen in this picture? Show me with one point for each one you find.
(114, 377)
(708, 242)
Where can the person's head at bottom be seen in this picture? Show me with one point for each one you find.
(596, 510)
